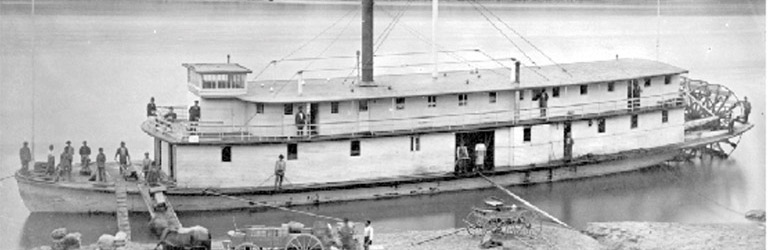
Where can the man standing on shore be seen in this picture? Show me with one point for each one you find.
(66, 165)
(26, 156)
(101, 162)
(279, 172)
(367, 235)
(146, 164)
(123, 157)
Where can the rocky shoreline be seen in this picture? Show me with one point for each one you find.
(602, 235)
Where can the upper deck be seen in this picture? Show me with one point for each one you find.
(485, 80)
(417, 103)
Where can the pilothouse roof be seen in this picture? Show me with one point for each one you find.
(217, 68)
(454, 82)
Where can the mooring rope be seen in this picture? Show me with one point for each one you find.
(2, 179)
(264, 204)
(528, 204)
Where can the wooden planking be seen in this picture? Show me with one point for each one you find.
(169, 215)
(121, 194)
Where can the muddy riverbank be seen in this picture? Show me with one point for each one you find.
(602, 235)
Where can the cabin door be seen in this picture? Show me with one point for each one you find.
(633, 94)
(567, 141)
(314, 118)
(472, 142)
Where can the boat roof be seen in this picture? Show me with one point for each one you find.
(454, 82)
(217, 68)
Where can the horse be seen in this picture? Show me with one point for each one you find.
(196, 237)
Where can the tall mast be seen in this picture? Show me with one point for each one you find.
(434, 38)
(367, 55)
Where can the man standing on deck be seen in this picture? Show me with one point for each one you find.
(101, 162)
(480, 156)
(51, 170)
(543, 98)
(301, 118)
(279, 172)
(66, 164)
(123, 157)
(146, 164)
(70, 150)
(462, 156)
(26, 156)
(747, 109)
(568, 147)
(151, 108)
(85, 158)
(170, 116)
(194, 115)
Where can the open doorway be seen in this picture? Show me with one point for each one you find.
(313, 118)
(470, 140)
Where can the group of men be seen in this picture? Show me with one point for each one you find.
(63, 171)
(464, 162)
(194, 112)
(346, 232)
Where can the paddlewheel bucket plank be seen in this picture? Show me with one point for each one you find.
(712, 108)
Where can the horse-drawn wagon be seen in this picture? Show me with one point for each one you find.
(290, 236)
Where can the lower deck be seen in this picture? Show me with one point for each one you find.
(516, 147)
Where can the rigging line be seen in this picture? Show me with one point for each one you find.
(264, 204)
(391, 26)
(335, 39)
(502, 32)
(299, 59)
(306, 43)
(426, 40)
(522, 37)
(400, 66)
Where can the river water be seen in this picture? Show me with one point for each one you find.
(89, 67)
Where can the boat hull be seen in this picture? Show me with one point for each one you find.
(42, 196)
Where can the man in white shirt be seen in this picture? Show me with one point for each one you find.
(480, 157)
(368, 235)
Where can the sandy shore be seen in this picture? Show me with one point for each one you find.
(604, 235)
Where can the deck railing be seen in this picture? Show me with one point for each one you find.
(185, 131)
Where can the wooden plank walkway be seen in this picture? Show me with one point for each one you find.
(169, 214)
(121, 194)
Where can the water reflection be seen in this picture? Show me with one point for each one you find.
(661, 193)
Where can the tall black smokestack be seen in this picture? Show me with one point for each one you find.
(367, 58)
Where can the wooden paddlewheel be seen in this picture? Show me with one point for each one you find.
(704, 100)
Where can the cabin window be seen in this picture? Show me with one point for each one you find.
(334, 107)
(226, 154)
(556, 92)
(491, 97)
(584, 89)
(431, 101)
(288, 109)
(610, 86)
(633, 123)
(362, 105)
(526, 134)
(664, 116)
(293, 151)
(647, 82)
(259, 108)
(415, 141)
(354, 148)
(667, 80)
(462, 99)
(400, 103)
(522, 94)
(601, 125)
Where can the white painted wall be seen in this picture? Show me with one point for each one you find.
(201, 166)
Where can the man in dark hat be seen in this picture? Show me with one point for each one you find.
(122, 156)
(151, 108)
(194, 116)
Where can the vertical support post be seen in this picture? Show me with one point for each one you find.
(434, 38)
(367, 46)
(300, 83)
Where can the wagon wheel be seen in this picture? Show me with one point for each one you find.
(247, 246)
(533, 224)
(304, 242)
(475, 224)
